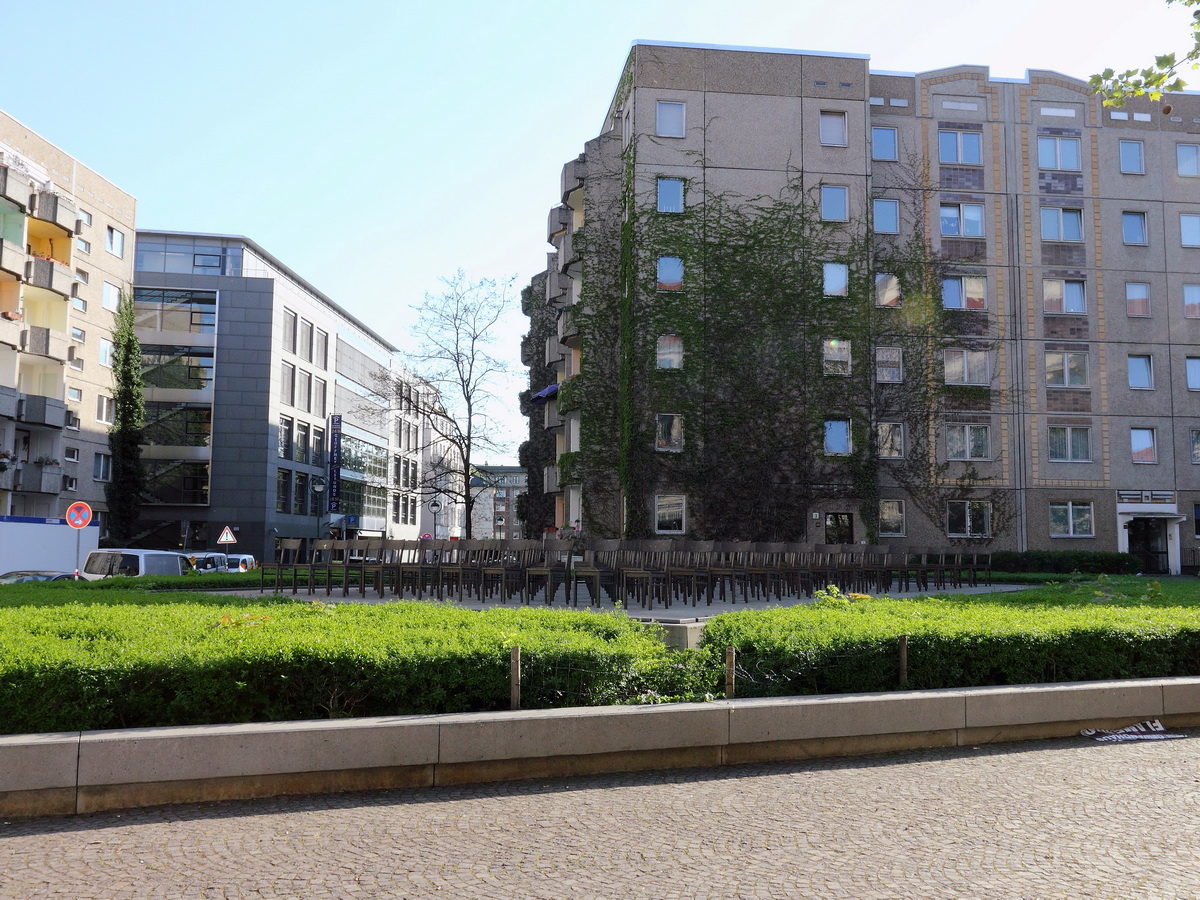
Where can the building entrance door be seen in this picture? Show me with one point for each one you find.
(839, 528)
(1148, 542)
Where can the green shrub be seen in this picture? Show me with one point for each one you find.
(1066, 561)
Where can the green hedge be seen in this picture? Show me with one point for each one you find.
(1066, 561)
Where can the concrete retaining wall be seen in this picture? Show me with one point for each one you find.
(57, 774)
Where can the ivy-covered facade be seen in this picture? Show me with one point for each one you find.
(793, 299)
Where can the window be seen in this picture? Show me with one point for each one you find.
(303, 390)
(74, 394)
(289, 331)
(1142, 447)
(891, 518)
(102, 467)
(318, 397)
(837, 279)
(300, 498)
(884, 144)
(669, 512)
(83, 246)
(1191, 301)
(1187, 160)
(1137, 298)
(962, 147)
(1195, 438)
(670, 119)
(306, 340)
(890, 436)
(104, 409)
(1072, 518)
(285, 437)
(1058, 152)
(968, 518)
(1066, 368)
(964, 292)
(887, 290)
(78, 335)
(1132, 157)
(1069, 443)
(670, 195)
(886, 214)
(1189, 229)
(321, 348)
(962, 219)
(110, 297)
(106, 353)
(70, 483)
(833, 128)
(318, 447)
(71, 454)
(301, 448)
(1193, 373)
(670, 273)
(889, 365)
(966, 367)
(114, 241)
(85, 217)
(836, 356)
(837, 437)
(835, 203)
(283, 491)
(79, 303)
(82, 276)
(1061, 296)
(668, 432)
(1141, 372)
(1133, 227)
(1062, 224)
(396, 498)
(287, 383)
(968, 441)
(670, 352)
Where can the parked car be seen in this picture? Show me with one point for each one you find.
(22, 577)
(107, 563)
(242, 562)
(206, 563)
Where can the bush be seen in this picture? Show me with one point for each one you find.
(1066, 561)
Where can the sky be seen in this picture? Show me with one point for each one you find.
(378, 146)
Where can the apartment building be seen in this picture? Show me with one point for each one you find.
(495, 514)
(271, 412)
(1056, 242)
(66, 254)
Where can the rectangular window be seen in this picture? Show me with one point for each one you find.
(289, 331)
(78, 335)
(969, 518)
(283, 491)
(285, 437)
(669, 513)
(670, 273)
(1189, 229)
(968, 441)
(85, 217)
(306, 340)
(1141, 372)
(74, 394)
(837, 279)
(835, 203)
(964, 292)
(1132, 157)
(670, 195)
(102, 467)
(836, 357)
(890, 436)
(287, 383)
(110, 297)
(318, 397)
(962, 219)
(889, 365)
(961, 147)
(1142, 446)
(1072, 518)
(114, 241)
(1191, 301)
(967, 367)
(884, 144)
(833, 128)
(1066, 368)
(1062, 224)
(71, 454)
(891, 518)
(1195, 438)
(887, 290)
(670, 352)
(1133, 227)
(302, 429)
(837, 437)
(1069, 443)
(303, 391)
(1193, 373)
(1062, 296)
(318, 447)
(668, 432)
(106, 353)
(886, 215)
(670, 121)
(104, 409)
(79, 303)
(1058, 153)
(83, 246)
(1187, 160)
(82, 276)
(1137, 298)
(321, 349)
(396, 498)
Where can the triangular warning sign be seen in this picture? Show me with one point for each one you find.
(226, 537)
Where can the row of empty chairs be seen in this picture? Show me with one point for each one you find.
(646, 573)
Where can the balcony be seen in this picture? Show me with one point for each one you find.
(550, 483)
(567, 257)
(50, 207)
(14, 187)
(35, 409)
(8, 402)
(557, 222)
(11, 331)
(554, 351)
(38, 479)
(568, 327)
(572, 175)
(558, 289)
(12, 258)
(8, 478)
(553, 417)
(49, 274)
(45, 342)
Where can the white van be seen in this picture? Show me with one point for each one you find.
(107, 563)
(242, 562)
(204, 563)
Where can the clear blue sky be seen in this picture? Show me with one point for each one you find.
(376, 146)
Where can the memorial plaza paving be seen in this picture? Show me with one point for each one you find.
(1056, 818)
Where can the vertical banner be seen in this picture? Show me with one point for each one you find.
(335, 464)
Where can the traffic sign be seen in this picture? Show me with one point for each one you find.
(79, 514)
(227, 537)
(426, 536)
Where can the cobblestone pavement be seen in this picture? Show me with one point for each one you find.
(1064, 818)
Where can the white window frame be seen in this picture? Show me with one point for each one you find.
(1195, 445)
(664, 126)
(1192, 368)
(660, 272)
(1058, 141)
(969, 359)
(673, 443)
(832, 128)
(106, 353)
(114, 241)
(665, 351)
(965, 293)
(1132, 288)
(887, 291)
(658, 498)
(1189, 229)
(1140, 148)
(894, 432)
(875, 129)
(664, 179)
(893, 217)
(1130, 216)
(1153, 446)
(105, 409)
(968, 507)
(961, 220)
(900, 512)
(833, 195)
(968, 430)
(1191, 307)
(1070, 507)
(832, 426)
(1067, 290)
(889, 365)
(102, 467)
(1068, 438)
(1058, 219)
(1187, 160)
(1066, 363)
(835, 356)
(1148, 370)
(837, 270)
(959, 146)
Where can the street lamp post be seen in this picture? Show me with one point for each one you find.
(318, 488)
(435, 507)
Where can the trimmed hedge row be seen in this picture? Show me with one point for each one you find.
(1066, 561)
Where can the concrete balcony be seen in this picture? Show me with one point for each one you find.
(38, 479)
(55, 209)
(568, 258)
(14, 187)
(572, 175)
(568, 327)
(553, 419)
(11, 332)
(8, 402)
(557, 222)
(8, 477)
(35, 409)
(12, 259)
(550, 483)
(49, 274)
(45, 342)
(558, 288)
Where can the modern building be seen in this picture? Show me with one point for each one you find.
(494, 514)
(1054, 399)
(66, 255)
(271, 412)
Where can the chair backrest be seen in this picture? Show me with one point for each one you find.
(289, 551)
(321, 551)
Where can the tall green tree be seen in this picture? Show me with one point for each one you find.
(1162, 77)
(124, 492)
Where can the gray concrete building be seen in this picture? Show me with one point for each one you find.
(1063, 245)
